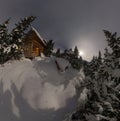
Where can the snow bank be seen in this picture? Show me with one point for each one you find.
(116, 73)
(83, 97)
(62, 64)
(17, 72)
(40, 83)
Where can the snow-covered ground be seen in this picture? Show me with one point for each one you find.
(37, 90)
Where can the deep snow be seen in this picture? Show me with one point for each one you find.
(37, 90)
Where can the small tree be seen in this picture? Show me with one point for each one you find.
(58, 52)
(100, 57)
(4, 41)
(49, 48)
(113, 42)
(76, 52)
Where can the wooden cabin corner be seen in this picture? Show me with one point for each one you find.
(34, 44)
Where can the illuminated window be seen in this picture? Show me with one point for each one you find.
(37, 49)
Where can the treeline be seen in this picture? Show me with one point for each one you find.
(102, 85)
(71, 55)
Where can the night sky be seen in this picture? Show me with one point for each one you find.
(68, 22)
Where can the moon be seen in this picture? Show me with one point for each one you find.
(81, 53)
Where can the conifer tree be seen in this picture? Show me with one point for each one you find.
(100, 57)
(49, 48)
(58, 52)
(65, 51)
(4, 41)
(16, 37)
(113, 42)
(11, 43)
(76, 52)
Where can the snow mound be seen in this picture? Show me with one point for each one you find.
(62, 64)
(116, 73)
(17, 72)
(40, 83)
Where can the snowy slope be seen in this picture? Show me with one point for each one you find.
(37, 90)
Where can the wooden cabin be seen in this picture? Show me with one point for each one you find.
(34, 44)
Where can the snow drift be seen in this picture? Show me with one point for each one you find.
(40, 83)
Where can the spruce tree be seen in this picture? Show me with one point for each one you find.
(11, 42)
(49, 48)
(113, 42)
(4, 42)
(100, 57)
(16, 37)
(76, 52)
(58, 52)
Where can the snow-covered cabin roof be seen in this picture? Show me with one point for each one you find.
(39, 36)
